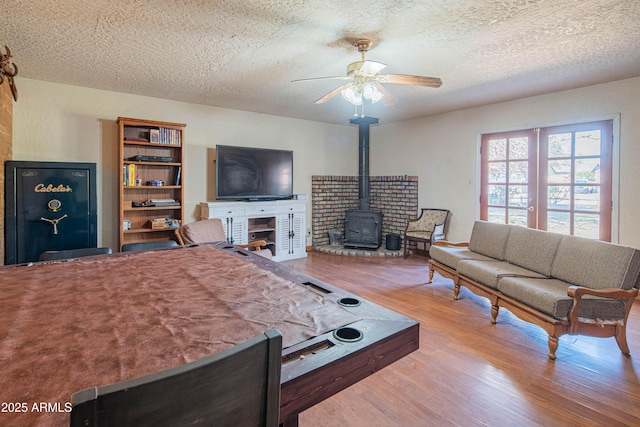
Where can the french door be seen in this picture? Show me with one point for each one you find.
(555, 178)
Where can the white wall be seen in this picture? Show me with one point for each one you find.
(54, 122)
(443, 150)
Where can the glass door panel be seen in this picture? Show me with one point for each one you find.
(556, 179)
(575, 180)
(508, 187)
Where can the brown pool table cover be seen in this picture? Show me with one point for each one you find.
(66, 326)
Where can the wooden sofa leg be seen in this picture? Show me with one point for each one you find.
(621, 339)
(494, 313)
(456, 290)
(495, 308)
(553, 346)
(431, 272)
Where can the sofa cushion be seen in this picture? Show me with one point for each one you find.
(489, 239)
(450, 255)
(550, 297)
(595, 264)
(532, 249)
(488, 273)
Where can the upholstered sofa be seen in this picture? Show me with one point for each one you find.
(564, 284)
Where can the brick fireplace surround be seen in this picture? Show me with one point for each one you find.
(331, 196)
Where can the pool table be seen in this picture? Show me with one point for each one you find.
(69, 325)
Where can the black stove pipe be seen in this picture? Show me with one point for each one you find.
(363, 159)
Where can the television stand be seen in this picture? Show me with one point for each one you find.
(282, 223)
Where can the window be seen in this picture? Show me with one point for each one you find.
(555, 178)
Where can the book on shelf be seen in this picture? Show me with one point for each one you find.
(129, 175)
(178, 172)
(170, 136)
(154, 136)
(162, 202)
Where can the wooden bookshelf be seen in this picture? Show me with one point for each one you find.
(151, 157)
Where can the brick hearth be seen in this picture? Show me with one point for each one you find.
(331, 196)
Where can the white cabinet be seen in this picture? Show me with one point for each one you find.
(290, 238)
(235, 228)
(234, 222)
(281, 223)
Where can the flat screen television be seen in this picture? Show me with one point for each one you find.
(253, 174)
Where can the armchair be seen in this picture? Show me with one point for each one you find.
(426, 229)
(211, 230)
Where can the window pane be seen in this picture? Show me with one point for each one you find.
(588, 143)
(559, 145)
(497, 195)
(498, 149)
(518, 196)
(558, 197)
(497, 215)
(518, 148)
(498, 172)
(558, 222)
(587, 226)
(519, 171)
(518, 217)
(559, 171)
(587, 171)
(586, 201)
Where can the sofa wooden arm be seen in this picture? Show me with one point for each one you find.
(615, 293)
(576, 292)
(447, 243)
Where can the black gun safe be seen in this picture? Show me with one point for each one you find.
(49, 206)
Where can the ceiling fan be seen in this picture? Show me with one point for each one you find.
(366, 80)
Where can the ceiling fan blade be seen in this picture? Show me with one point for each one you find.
(388, 99)
(332, 94)
(323, 78)
(372, 67)
(403, 79)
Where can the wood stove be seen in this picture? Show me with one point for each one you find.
(363, 227)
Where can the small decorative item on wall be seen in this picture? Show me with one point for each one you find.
(9, 70)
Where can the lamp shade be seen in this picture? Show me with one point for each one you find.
(371, 92)
(352, 95)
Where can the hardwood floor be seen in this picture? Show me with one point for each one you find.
(469, 372)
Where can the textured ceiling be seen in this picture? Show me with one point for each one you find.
(244, 54)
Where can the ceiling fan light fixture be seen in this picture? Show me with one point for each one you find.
(371, 92)
(368, 90)
(352, 95)
(365, 80)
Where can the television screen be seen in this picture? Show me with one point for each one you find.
(244, 173)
